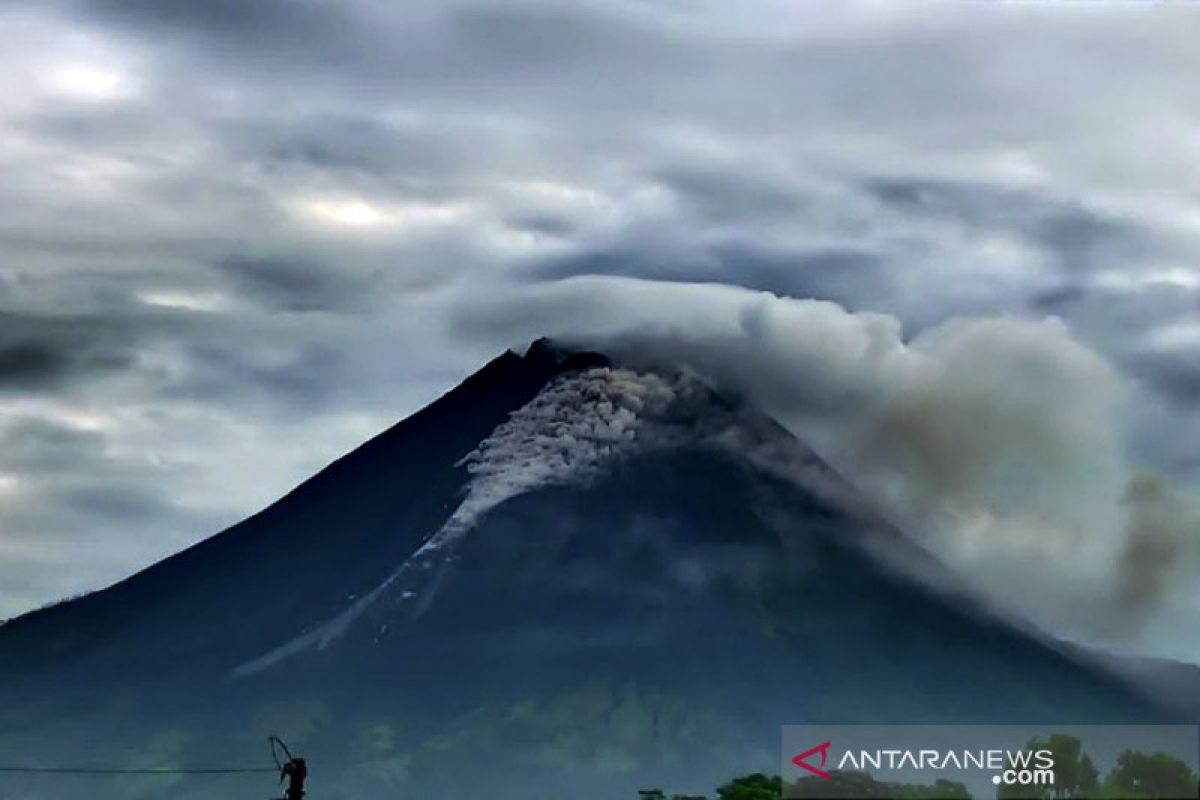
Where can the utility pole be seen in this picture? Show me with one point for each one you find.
(296, 771)
(293, 770)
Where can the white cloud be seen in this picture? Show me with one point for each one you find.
(1176, 336)
(354, 212)
(206, 302)
(90, 83)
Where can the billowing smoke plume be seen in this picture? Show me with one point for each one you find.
(997, 442)
(1159, 546)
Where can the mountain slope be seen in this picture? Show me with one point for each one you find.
(561, 579)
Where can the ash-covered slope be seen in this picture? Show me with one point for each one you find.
(563, 579)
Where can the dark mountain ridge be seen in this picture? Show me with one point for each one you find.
(290, 537)
(560, 579)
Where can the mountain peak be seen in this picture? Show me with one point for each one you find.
(550, 352)
(562, 554)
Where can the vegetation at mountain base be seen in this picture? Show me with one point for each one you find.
(841, 784)
(1074, 773)
(1149, 775)
(1135, 776)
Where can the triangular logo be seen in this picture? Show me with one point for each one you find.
(823, 749)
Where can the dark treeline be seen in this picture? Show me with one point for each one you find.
(1135, 776)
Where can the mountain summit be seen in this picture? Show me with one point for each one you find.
(564, 578)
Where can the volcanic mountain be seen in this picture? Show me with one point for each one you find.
(566, 578)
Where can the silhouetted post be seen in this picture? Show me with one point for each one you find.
(295, 771)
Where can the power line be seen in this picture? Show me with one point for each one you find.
(148, 771)
(290, 768)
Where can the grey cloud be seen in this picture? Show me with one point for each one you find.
(543, 224)
(73, 500)
(102, 500)
(302, 378)
(39, 447)
(1174, 374)
(359, 144)
(24, 364)
(296, 285)
(1124, 314)
(725, 196)
(1078, 237)
(520, 37)
(1057, 299)
(356, 45)
(112, 129)
(292, 25)
(40, 352)
(429, 157)
(1118, 319)
(854, 277)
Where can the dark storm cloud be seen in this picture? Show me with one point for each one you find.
(26, 364)
(542, 224)
(43, 352)
(256, 24)
(119, 504)
(1174, 374)
(77, 498)
(727, 196)
(1124, 320)
(1078, 237)
(297, 285)
(303, 378)
(429, 158)
(83, 527)
(46, 354)
(1054, 301)
(851, 276)
(373, 49)
(359, 144)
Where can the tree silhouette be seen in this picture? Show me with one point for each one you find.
(1075, 776)
(1159, 775)
(855, 785)
(752, 787)
(1136, 776)
(659, 794)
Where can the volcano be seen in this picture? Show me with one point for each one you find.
(565, 578)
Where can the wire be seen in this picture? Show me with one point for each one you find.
(275, 742)
(151, 771)
(276, 745)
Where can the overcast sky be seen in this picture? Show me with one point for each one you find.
(238, 237)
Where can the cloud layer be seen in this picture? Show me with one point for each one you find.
(236, 238)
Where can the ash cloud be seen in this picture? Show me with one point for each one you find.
(997, 442)
(1160, 534)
